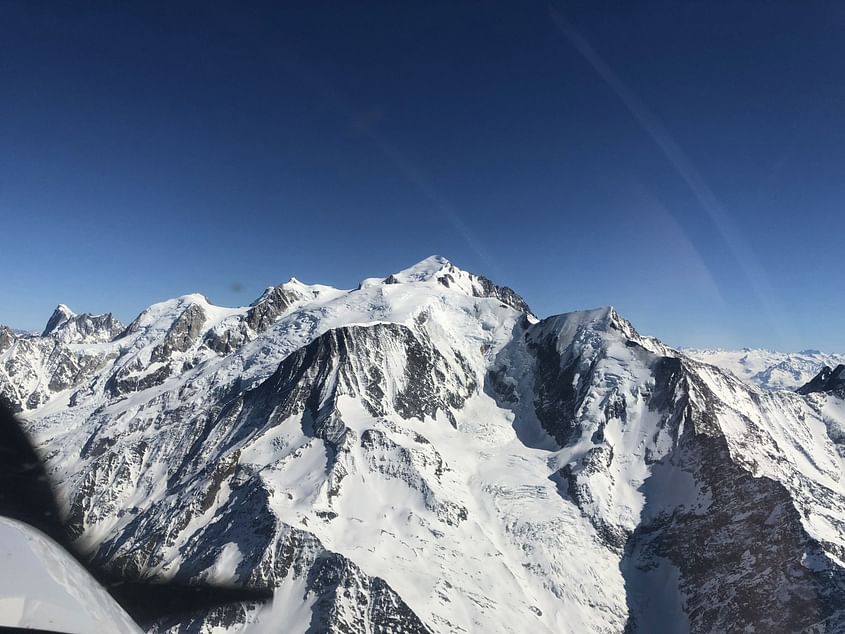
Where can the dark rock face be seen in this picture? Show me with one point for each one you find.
(504, 294)
(560, 388)
(228, 340)
(740, 567)
(229, 616)
(366, 600)
(59, 317)
(127, 379)
(165, 358)
(182, 334)
(827, 380)
(353, 361)
(262, 314)
(564, 373)
(481, 287)
(269, 307)
(70, 370)
(7, 338)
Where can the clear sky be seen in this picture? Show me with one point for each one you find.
(682, 161)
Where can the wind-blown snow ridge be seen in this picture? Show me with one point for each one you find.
(422, 454)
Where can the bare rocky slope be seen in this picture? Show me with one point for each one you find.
(422, 454)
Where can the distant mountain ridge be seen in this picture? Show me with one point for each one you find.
(423, 454)
(767, 369)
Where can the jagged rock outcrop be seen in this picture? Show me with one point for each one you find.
(827, 380)
(181, 335)
(60, 316)
(275, 301)
(7, 338)
(66, 326)
(33, 369)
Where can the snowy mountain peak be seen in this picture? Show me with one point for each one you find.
(66, 326)
(604, 319)
(424, 270)
(438, 271)
(194, 298)
(60, 316)
(296, 285)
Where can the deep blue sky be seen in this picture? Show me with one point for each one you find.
(681, 161)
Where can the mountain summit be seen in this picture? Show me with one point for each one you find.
(60, 316)
(422, 454)
(67, 326)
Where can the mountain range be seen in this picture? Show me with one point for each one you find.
(423, 454)
(767, 369)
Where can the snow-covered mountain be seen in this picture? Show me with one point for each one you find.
(770, 370)
(35, 368)
(422, 454)
(67, 327)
